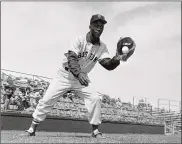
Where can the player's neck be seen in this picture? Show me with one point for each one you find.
(92, 39)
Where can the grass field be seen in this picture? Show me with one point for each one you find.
(57, 137)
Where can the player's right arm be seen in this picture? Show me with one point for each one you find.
(74, 67)
(72, 57)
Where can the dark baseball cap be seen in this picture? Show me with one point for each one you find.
(98, 17)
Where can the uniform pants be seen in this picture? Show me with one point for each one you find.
(61, 83)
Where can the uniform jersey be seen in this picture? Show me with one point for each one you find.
(88, 54)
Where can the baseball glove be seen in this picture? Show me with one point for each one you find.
(126, 41)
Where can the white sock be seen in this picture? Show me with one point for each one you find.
(31, 130)
(96, 131)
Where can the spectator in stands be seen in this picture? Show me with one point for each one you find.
(3, 92)
(7, 96)
(33, 83)
(26, 98)
(105, 101)
(37, 96)
(112, 102)
(17, 100)
(119, 103)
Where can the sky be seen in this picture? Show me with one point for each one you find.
(35, 36)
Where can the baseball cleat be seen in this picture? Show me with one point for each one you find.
(30, 133)
(97, 134)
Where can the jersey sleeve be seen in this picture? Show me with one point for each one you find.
(104, 53)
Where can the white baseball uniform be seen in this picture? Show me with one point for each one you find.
(88, 55)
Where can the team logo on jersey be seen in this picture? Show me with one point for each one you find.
(83, 54)
(99, 16)
(91, 56)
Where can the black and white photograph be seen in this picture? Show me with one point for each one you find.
(90, 72)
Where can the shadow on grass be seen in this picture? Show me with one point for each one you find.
(56, 136)
(73, 136)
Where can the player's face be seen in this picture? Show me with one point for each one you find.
(97, 28)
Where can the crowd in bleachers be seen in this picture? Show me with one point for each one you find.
(20, 94)
(19, 99)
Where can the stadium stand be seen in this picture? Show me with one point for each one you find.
(29, 90)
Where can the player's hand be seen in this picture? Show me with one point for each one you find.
(124, 56)
(131, 51)
(83, 79)
(121, 57)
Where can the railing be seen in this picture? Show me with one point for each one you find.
(33, 76)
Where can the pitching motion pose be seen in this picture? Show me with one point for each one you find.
(80, 59)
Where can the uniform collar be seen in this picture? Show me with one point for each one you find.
(89, 38)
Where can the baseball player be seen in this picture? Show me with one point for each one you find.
(80, 59)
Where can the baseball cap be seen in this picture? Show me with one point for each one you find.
(97, 17)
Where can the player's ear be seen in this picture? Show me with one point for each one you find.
(89, 26)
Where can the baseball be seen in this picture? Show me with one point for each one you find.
(125, 49)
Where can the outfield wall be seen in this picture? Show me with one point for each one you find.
(18, 121)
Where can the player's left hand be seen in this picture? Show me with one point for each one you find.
(121, 56)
